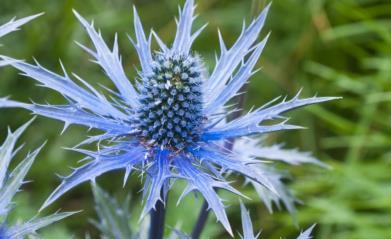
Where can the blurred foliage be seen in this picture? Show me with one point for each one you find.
(330, 47)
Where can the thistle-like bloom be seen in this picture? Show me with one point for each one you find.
(13, 26)
(9, 186)
(172, 124)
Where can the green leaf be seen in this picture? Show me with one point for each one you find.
(114, 218)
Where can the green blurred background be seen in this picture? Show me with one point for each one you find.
(328, 47)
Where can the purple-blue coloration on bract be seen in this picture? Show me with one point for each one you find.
(172, 124)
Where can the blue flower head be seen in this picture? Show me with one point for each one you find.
(172, 123)
(9, 186)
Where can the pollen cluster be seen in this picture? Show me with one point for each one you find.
(170, 112)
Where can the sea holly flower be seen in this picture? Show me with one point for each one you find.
(172, 123)
(248, 231)
(9, 186)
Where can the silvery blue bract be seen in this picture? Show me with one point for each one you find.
(13, 26)
(10, 183)
(172, 123)
(249, 148)
(114, 220)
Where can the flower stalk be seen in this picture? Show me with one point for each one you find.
(200, 224)
(156, 230)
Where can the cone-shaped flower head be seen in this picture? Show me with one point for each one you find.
(172, 124)
(10, 184)
(170, 110)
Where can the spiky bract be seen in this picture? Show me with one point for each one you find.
(10, 184)
(13, 26)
